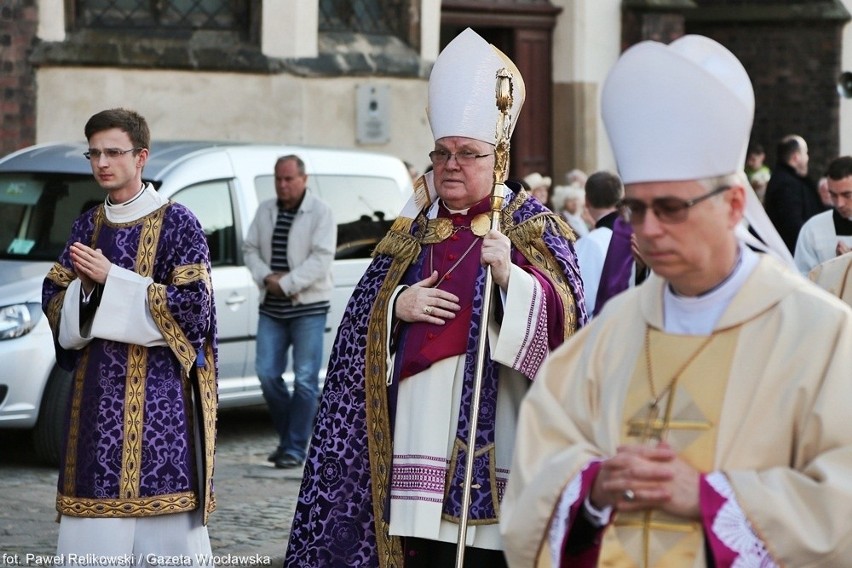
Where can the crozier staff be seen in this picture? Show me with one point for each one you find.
(383, 479)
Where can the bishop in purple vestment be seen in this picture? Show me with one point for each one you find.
(383, 478)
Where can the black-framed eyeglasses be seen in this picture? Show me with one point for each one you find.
(667, 209)
(110, 153)
(463, 158)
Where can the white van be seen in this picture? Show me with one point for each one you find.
(44, 188)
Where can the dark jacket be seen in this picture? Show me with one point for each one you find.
(791, 200)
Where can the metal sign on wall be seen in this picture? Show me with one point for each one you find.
(373, 114)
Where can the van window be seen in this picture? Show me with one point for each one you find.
(211, 203)
(364, 208)
(37, 211)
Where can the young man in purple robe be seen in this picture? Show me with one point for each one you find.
(382, 483)
(131, 307)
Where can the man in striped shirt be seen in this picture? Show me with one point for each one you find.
(289, 249)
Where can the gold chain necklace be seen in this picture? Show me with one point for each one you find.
(443, 228)
(455, 264)
(651, 430)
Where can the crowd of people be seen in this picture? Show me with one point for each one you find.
(502, 391)
(812, 217)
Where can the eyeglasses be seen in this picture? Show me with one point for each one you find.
(463, 158)
(110, 153)
(667, 209)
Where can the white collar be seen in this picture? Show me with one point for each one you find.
(698, 315)
(146, 201)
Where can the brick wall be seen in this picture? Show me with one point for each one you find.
(18, 21)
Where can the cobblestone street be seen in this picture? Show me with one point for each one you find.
(255, 500)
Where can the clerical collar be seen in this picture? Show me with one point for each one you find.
(842, 225)
(698, 315)
(148, 201)
(481, 206)
(737, 263)
(607, 220)
(129, 201)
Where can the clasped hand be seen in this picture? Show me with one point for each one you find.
(91, 266)
(272, 283)
(644, 477)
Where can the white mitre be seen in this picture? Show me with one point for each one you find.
(684, 111)
(681, 111)
(463, 101)
(462, 89)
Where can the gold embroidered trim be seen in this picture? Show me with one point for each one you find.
(527, 238)
(183, 275)
(458, 446)
(54, 311)
(120, 508)
(134, 418)
(60, 275)
(405, 249)
(172, 332)
(674, 525)
(208, 401)
(74, 423)
(149, 239)
(99, 219)
(514, 205)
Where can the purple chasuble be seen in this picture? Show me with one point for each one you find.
(342, 501)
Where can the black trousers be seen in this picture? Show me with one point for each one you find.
(422, 553)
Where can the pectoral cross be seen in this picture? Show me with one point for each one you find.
(651, 428)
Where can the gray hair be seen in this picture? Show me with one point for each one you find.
(712, 183)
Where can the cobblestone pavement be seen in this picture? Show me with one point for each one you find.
(255, 501)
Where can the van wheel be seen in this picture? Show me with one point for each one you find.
(49, 432)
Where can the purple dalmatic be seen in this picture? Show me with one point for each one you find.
(342, 514)
(133, 413)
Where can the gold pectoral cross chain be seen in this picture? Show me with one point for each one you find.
(654, 427)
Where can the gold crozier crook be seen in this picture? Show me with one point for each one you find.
(501, 169)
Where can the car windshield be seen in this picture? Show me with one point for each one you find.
(37, 210)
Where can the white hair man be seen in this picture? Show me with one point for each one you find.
(689, 424)
(385, 473)
(570, 202)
